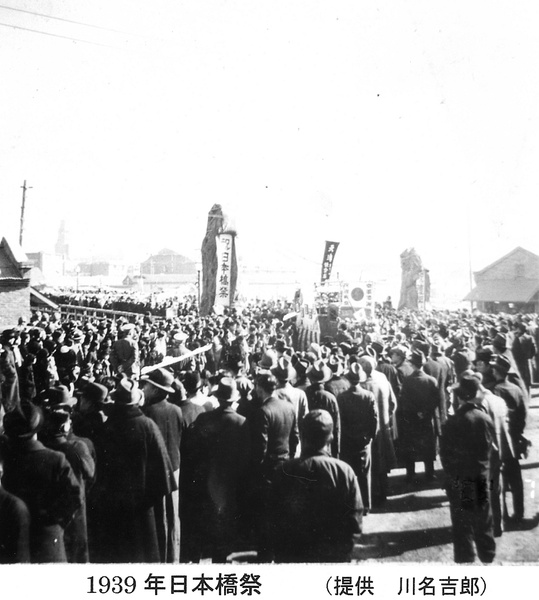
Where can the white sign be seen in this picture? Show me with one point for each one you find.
(224, 266)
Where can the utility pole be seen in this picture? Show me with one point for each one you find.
(24, 188)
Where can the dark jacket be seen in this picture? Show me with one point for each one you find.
(416, 410)
(319, 398)
(359, 420)
(466, 447)
(134, 473)
(169, 419)
(441, 368)
(14, 529)
(81, 456)
(274, 433)
(516, 406)
(45, 481)
(219, 449)
(318, 509)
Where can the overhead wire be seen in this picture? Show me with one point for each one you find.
(56, 35)
(29, 12)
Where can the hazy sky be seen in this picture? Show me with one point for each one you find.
(381, 125)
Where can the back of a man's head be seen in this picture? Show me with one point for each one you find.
(317, 429)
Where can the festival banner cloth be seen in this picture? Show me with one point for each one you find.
(327, 261)
(224, 265)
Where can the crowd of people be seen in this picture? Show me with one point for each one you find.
(144, 439)
(157, 303)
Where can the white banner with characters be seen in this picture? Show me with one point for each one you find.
(224, 264)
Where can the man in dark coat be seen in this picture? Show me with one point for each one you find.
(465, 450)
(80, 453)
(43, 479)
(9, 378)
(157, 385)
(284, 372)
(319, 398)
(338, 383)
(274, 439)
(318, 508)
(524, 351)
(124, 355)
(359, 420)
(482, 364)
(416, 411)
(134, 474)
(219, 446)
(14, 524)
(517, 412)
(441, 368)
(383, 450)
(89, 416)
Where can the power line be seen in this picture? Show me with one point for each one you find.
(29, 12)
(63, 37)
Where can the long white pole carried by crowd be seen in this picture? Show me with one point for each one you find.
(172, 360)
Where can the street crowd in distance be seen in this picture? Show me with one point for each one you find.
(148, 439)
(121, 301)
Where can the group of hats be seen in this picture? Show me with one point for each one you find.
(225, 391)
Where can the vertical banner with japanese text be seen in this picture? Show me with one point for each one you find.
(327, 261)
(224, 263)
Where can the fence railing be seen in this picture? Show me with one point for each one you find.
(67, 310)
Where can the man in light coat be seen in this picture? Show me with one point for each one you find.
(383, 451)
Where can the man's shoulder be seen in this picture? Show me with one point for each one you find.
(275, 404)
(325, 462)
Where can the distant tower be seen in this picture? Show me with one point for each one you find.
(62, 247)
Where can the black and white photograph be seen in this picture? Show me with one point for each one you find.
(269, 297)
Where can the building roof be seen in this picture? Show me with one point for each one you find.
(167, 278)
(500, 260)
(14, 263)
(504, 290)
(38, 299)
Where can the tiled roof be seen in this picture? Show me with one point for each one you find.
(504, 290)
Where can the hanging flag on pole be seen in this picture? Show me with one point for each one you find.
(327, 262)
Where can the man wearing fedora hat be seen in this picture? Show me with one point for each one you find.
(9, 379)
(157, 385)
(43, 479)
(383, 450)
(134, 474)
(218, 451)
(89, 415)
(441, 368)
(359, 422)
(502, 453)
(517, 413)
(524, 351)
(274, 439)
(80, 453)
(284, 372)
(338, 383)
(465, 451)
(124, 354)
(483, 365)
(319, 398)
(318, 508)
(417, 405)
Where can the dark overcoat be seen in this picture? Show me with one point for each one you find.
(218, 449)
(81, 456)
(134, 473)
(45, 481)
(416, 420)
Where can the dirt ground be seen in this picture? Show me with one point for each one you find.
(414, 525)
